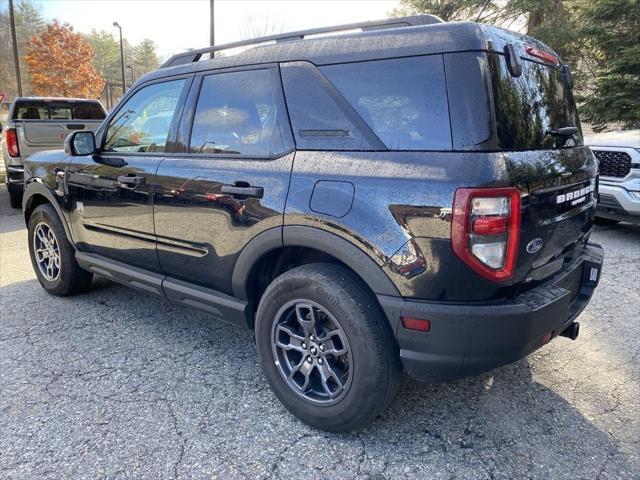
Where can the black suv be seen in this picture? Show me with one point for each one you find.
(413, 196)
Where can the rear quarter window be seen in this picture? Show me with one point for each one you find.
(404, 100)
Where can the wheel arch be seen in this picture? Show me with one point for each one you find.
(37, 194)
(304, 245)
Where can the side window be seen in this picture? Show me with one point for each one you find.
(403, 100)
(321, 119)
(142, 124)
(237, 113)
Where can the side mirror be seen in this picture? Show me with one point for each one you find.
(80, 143)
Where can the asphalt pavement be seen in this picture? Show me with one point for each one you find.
(118, 384)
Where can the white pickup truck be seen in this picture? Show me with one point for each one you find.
(41, 123)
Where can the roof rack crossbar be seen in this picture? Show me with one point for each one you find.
(195, 55)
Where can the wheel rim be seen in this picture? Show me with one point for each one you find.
(46, 251)
(312, 352)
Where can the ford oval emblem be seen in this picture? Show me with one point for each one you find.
(534, 245)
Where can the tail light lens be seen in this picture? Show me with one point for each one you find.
(485, 230)
(12, 142)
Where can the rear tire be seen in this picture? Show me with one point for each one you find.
(323, 315)
(52, 256)
(15, 196)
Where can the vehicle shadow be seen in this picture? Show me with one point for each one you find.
(113, 344)
(11, 219)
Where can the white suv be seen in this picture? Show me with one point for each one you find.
(618, 154)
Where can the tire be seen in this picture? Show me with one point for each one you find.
(606, 221)
(63, 277)
(15, 196)
(366, 361)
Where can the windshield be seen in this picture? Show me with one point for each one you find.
(532, 107)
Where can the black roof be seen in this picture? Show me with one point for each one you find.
(404, 41)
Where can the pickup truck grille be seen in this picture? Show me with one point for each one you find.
(613, 164)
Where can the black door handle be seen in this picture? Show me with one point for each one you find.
(75, 126)
(255, 192)
(110, 161)
(130, 180)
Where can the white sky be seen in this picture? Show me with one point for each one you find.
(177, 25)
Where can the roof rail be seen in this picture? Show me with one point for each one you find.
(398, 22)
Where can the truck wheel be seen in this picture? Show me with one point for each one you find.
(326, 348)
(15, 196)
(52, 256)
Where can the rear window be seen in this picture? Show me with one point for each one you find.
(528, 107)
(58, 110)
(404, 100)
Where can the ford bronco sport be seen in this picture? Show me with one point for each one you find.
(411, 196)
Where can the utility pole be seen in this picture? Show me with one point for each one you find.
(14, 41)
(124, 86)
(212, 33)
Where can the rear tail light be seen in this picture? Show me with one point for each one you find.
(12, 142)
(485, 230)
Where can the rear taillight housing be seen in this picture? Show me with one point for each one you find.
(485, 230)
(11, 138)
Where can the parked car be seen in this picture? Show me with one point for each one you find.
(41, 123)
(618, 155)
(414, 196)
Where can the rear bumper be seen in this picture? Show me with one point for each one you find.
(466, 339)
(620, 201)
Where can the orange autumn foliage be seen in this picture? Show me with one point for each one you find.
(59, 62)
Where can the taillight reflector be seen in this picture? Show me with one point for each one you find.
(541, 54)
(12, 142)
(418, 324)
(491, 234)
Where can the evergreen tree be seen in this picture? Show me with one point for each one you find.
(145, 57)
(611, 32)
(107, 54)
(449, 10)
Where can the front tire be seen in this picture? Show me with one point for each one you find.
(326, 348)
(52, 256)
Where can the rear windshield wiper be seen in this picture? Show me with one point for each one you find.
(562, 132)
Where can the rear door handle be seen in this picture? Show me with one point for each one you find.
(255, 192)
(130, 180)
